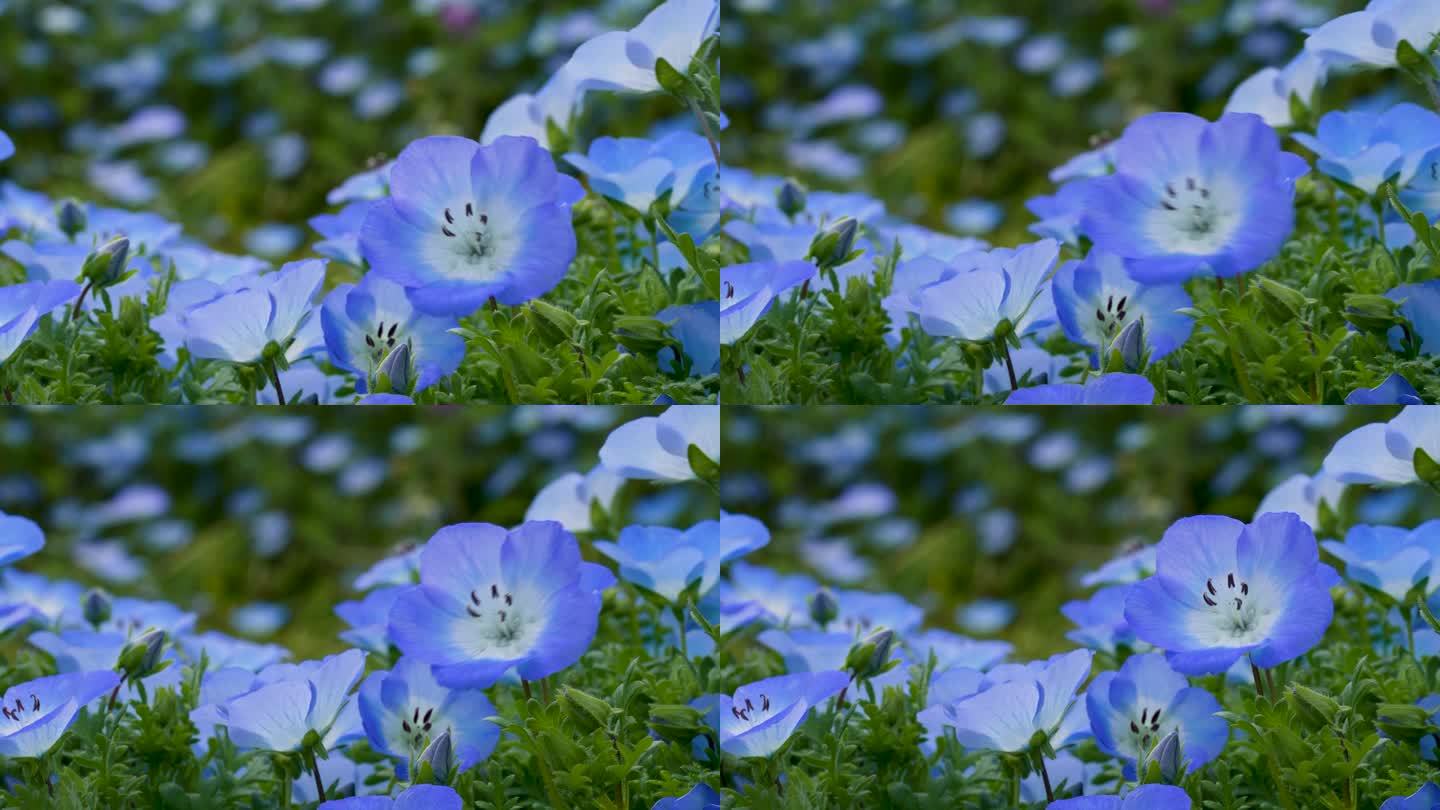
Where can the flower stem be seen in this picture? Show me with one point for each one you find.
(75, 313)
(1255, 672)
(1044, 777)
(524, 684)
(1009, 365)
(315, 770)
(709, 134)
(275, 378)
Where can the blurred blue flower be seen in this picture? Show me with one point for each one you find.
(239, 323)
(1095, 298)
(568, 499)
(1370, 37)
(1390, 559)
(1267, 93)
(259, 618)
(1145, 797)
(697, 327)
(44, 708)
(667, 561)
(342, 232)
(7, 146)
(985, 616)
(23, 305)
(369, 619)
(1395, 390)
(492, 600)
(1365, 149)
(760, 717)
(747, 292)
(625, 60)
(1383, 453)
(740, 535)
(1100, 621)
(757, 594)
(969, 297)
(1018, 702)
(416, 797)
(1105, 389)
(1426, 798)
(19, 538)
(656, 448)
(1224, 590)
(465, 223)
(701, 797)
(1302, 494)
(1191, 197)
(1132, 710)
(405, 708)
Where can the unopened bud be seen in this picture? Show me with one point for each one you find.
(141, 656)
(1371, 313)
(677, 723)
(1130, 345)
(1281, 302)
(105, 266)
(791, 197)
(396, 373)
(869, 658)
(70, 216)
(1167, 756)
(95, 606)
(586, 711)
(833, 245)
(439, 756)
(823, 607)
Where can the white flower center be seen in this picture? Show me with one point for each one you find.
(1146, 731)
(1191, 217)
(1234, 614)
(501, 625)
(415, 728)
(471, 244)
(378, 345)
(19, 713)
(752, 712)
(1110, 316)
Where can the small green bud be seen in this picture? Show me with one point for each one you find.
(1371, 313)
(398, 369)
(105, 266)
(791, 197)
(1004, 329)
(704, 467)
(439, 756)
(869, 657)
(95, 605)
(586, 711)
(823, 607)
(1130, 345)
(70, 216)
(1281, 302)
(1319, 708)
(1404, 721)
(676, 722)
(1167, 756)
(141, 656)
(834, 244)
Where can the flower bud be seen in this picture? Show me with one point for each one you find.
(791, 197)
(141, 656)
(586, 711)
(1167, 756)
(1130, 345)
(70, 217)
(396, 372)
(1319, 708)
(870, 657)
(834, 244)
(1404, 722)
(439, 756)
(105, 266)
(95, 605)
(676, 722)
(1281, 302)
(1371, 313)
(823, 607)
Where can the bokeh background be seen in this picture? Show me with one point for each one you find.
(954, 113)
(260, 523)
(237, 118)
(988, 518)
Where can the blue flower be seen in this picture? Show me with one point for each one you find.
(697, 327)
(1132, 710)
(701, 797)
(465, 223)
(405, 708)
(1420, 304)
(1395, 390)
(23, 305)
(1267, 92)
(625, 60)
(1365, 149)
(1302, 494)
(740, 535)
(1060, 213)
(1389, 559)
(656, 448)
(240, 322)
(1101, 620)
(364, 323)
(568, 500)
(1096, 298)
(756, 594)
(1223, 590)
(369, 619)
(7, 146)
(1018, 701)
(1426, 798)
(293, 700)
(1106, 389)
(760, 717)
(970, 296)
(747, 291)
(1370, 37)
(1190, 197)
(342, 233)
(1383, 453)
(667, 561)
(417, 797)
(38, 712)
(1147, 797)
(19, 538)
(490, 600)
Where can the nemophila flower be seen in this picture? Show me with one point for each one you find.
(1384, 453)
(35, 598)
(1303, 494)
(1269, 91)
(529, 115)
(38, 712)
(626, 60)
(1096, 298)
(1420, 305)
(760, 717)
(954, 650)
(7, 146)
(757, 594)
(667, 561)
(740, 535)
(365, 323)
(1133, 709)
(657, 448)
(23, 305)
(700, 797)
(369, 619)
(405, 708)
(19, 538)
(626, 170)
(747, 291)
(1060, 213)
(1365, 149)
(416, 797)
(1395, 390)
(1018, 702)
(239, 323)
(1224, 590)
(1389, 559)
(569, 499)
(222, 651)
(1145, 797)
(1105, 389)
(1101, 620)
(696, 326)
(342, 232)
(1190, 196)
(465, 223)
(1371, 37)
(401, 568)
(294, 700)
(492, 600)
(971, 296)
(1426, 798)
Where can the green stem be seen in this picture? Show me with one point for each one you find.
(1044, 776)
(709, 134)
(1009, 365)
(275, 378)
(75, 313)
(315, 770)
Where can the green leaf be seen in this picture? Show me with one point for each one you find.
(703, 466)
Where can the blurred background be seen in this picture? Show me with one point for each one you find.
(236, 118)
(260, 523)
(954, 113)
(988, 518)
